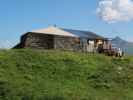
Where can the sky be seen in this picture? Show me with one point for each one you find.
(20, 16)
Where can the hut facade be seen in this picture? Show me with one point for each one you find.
(62, 39)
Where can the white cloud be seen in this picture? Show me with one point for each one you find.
(115, 10)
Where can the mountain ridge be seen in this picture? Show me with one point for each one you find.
(126, 46)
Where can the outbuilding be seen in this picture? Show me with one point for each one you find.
(62, 39)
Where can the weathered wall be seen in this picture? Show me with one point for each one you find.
(67, 43)
(39, 41)
(44, 41)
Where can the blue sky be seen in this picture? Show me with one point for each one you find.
(20, 16)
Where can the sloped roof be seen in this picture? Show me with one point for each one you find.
(54, 31)
(84, 34)
(69, 32)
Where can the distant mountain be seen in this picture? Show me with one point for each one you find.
(125, 45)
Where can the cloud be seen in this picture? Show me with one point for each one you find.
(113, 11)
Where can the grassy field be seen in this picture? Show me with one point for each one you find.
(55, 75)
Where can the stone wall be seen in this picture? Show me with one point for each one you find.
(44, 41)
(39, 41)
(67, 43)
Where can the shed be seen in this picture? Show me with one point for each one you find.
(63, 39)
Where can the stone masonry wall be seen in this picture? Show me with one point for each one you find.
(67, 43)
(44, 41)
(39, 41)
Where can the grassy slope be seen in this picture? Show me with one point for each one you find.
(55, 75)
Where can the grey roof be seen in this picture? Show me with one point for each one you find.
(84, 34)
(69, 32)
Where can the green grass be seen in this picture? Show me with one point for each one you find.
(54, 75)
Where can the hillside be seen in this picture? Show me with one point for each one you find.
(55, 75)
(125, 45)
